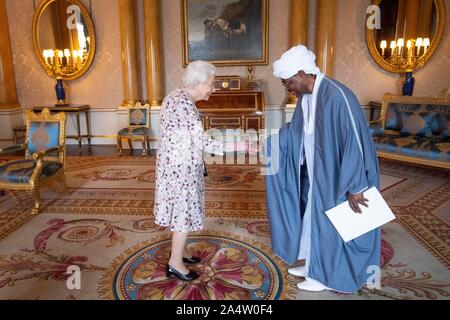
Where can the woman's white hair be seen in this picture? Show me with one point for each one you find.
(198, 72)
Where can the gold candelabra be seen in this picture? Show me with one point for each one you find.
(61, 62)
(410, 57)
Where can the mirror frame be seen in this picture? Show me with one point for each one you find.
(376, 56)
(90, 26)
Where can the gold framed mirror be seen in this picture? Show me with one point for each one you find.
(411, 31)
(64, 38)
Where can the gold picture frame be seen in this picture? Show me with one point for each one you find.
(225, 32)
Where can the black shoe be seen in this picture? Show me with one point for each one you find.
(170, 271)
(192, 260)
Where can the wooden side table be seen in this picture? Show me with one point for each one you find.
(77, 109)
(239, 109)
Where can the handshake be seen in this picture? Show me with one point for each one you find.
(244, 146)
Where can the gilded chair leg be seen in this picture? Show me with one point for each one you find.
(148, 144)
(64, 185)
(144, 150)
(130, 144)
(119, 145)
(37, 201)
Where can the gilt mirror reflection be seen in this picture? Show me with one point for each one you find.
(410, 33)
(64, 38)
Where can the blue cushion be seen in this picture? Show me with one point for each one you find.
(422, 124)
(376, 130)
(138, 131)
(431, 148)
(43, 136)
(20, 171)
(444, 121)
(393, 117)
(138, 117)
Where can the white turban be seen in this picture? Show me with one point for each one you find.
(292, 61)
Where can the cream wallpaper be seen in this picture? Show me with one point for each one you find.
(101, 86)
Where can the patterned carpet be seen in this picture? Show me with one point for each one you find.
(105, 226)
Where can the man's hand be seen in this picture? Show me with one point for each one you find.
(354, 200)
(246, 146)
(254, 148)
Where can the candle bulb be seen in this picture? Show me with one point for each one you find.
(393, 46)
(45, 55)
(419, 43)
(60, 57)
(426, 44)
(409, 46)
(52, 56)
(383, 46)
(76, 62)
(400, 45)
(80, 54)
(67, 55)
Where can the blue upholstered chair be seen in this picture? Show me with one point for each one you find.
(414, 129)
(45, 152)
(138, 128)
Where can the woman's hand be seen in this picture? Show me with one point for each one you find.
(354, 200)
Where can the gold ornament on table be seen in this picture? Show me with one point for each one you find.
(250, 73)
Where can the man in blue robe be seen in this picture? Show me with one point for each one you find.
(324, 157)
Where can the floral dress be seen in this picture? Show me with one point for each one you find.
(180, 185)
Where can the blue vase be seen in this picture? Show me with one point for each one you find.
(408, 86)
(60, 93)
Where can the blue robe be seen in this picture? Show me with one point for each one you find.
(345, 160)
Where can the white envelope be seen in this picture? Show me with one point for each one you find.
(351, 225)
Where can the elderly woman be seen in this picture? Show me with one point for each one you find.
(180, 186)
